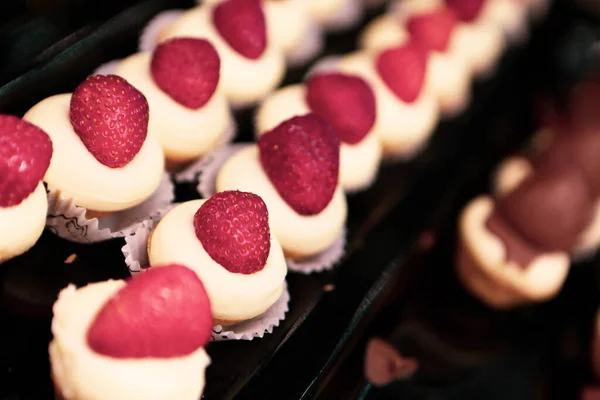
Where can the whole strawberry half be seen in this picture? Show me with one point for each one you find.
(111, 118)
(25, 154)
(162, 313)
(242, 25)
(233, 228)
(403, 69)
(467, 10)
(432, 30)
(187, 69)
(345, 101)
(301, 157)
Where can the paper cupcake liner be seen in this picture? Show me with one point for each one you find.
(205, 172)
(68, 221)
(107, 68)
(151, 32)
(136, 258)
(347, 17)
(258, 326)
(312, 43)
(323, 261)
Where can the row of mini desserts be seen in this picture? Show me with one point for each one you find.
(294, 168)
(127, 335)
(254, 39)
(172, 95)
(97, 148)
(195, 65)
(385, 100)
(144, 338)
(516, 244)
(463, 39)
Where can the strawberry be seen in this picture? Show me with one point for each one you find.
(242, 25)
(467, 10)
(432, 30)
(301, 157)
(345, 101)
(162, 313)
(186, 69)
(111, 118)
(25, 153)
(233, 228)
(403, 68)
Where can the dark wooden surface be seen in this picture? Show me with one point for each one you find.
(329, 313)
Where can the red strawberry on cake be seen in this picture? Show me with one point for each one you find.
(25, 154)
(288, 26)
(294, 168)
(122, 340)
(251, 66)
(348, 103)
(242, 24)
(457, 29)
(111, 118)
(403, 69)
(406, 108)
(510, 16)
(226, 240)
(104, 160)
(301, 157)
(180, 79)
(434, 30)
(467, 10)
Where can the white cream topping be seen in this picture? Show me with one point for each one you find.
(233, 296)
(406, 8)
(324, 11)
(401, 127)
(480, 45)
(359, 163)
(76, 173)
(383, 32)
(298, 234)
(510, 173)
(447, 77)
(184, 133)
(82, 374)
(509, 15)
(540, 280)
(22, 225)
(244, 81)
(288, 23)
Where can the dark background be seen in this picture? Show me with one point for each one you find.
(397, 273)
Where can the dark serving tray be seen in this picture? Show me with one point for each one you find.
(328, 312)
